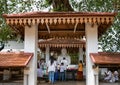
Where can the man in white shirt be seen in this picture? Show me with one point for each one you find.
(65, 64)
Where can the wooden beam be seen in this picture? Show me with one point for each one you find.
(48, 28)
(62, 34)
(75, 27)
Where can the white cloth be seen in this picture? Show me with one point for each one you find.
(112, 78)
(39, 72)
(51, 67)
(67, 57)
(65, 63)
(109, 76)
(116, 74)
(62, 68)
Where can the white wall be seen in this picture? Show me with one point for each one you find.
(13, 45)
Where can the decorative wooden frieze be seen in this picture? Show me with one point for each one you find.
(42, 20)
(59, 20)
(50, 21)
(61, 45)
(68, 20)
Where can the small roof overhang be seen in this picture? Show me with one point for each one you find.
(106, 59)
(12, 59)
(58, 43)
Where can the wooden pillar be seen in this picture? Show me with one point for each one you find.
(91, 47)
(31, 45)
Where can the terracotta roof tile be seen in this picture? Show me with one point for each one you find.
(105, 58)
(12, 59)
(58, 14)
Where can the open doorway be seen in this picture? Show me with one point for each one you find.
(72, 52)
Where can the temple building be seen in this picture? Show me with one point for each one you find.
(52, 31)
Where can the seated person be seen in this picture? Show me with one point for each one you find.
(109, 76)
(116, 75)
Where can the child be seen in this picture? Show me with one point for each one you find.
(62, 72)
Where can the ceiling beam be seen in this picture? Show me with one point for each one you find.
(61, 34)
(82, 31)
(75, 27)
(48, 28)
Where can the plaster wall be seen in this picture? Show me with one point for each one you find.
(14, 45)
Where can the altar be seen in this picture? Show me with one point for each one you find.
(72, 72)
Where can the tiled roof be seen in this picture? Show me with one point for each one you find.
(58, 14)
(52, 24)
(106, 58)
(12, 59)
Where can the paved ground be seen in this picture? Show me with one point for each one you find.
(75, 83)
(58, 83)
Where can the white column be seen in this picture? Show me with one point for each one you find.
(91, 47)
(26, 74)
(47, 54)
(80, 54)
(96, 75)
(31, 45)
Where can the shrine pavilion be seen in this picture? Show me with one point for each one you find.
(58, 30)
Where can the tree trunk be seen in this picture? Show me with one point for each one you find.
(61, 5)
(2, 46)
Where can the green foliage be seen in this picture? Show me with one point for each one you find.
(5, 34)
(110, 41)
(93, 5)
(48, 2)
(74, 58)
(5, 31)
(15, 6)
(59, 5)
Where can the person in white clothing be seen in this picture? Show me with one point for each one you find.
(65, 64)
(108, 76)
(39, 72)
(116, 75)
(62, 71)
(51, 69)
